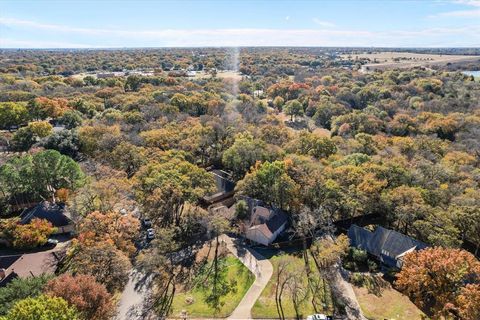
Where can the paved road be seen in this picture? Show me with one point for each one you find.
(259, 266)
(133, 297)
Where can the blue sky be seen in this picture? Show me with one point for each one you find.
(102, 23)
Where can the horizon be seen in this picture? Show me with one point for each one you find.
(198, 24)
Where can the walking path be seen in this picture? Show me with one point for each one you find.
(258, 265)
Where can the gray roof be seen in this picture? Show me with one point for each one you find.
(51, 212)
(277, 220)
(385, 244)
(392, 242)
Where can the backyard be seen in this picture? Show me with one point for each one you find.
(384, 302)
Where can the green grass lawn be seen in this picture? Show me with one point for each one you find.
(236, 271)
(265, 306)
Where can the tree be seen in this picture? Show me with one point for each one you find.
(271, 183)
(40, 129)
(468, 302)
(406, 205)
(112, 192)
(38, 177)
(52, 171)
(436, 277)
(33, 234)
(112, 227)
(133, 83)
(23, 139)
(105, 262)
(90, 298)
(19, 289)
(167, 268)
(278, 102)
(244, 153)
(214, 275)
(71, 119)
(163, 188)
(294, 109)
(42, 308)
(13, 114)
(128, 158)
(66, 142)
(43, 108)
(311, 144)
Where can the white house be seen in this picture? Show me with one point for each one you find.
(265, 225)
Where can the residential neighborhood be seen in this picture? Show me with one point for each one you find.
(228, 159)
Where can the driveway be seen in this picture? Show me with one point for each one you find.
(258, 265)
(133, 296)
(344, 289)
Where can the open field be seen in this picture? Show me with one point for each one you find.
(222, 74)
(391, 60)
(197, 307)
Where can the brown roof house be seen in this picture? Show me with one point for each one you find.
(28, 265)
(266, 224)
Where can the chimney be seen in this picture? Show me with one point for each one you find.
(3, 273)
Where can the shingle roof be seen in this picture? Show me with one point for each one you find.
(359, 237)
(278, 219)
(53, 213)
(385, 244)
(392, 243)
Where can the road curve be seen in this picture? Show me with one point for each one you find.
(258, 265)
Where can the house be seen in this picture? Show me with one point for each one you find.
(53, 213)
(225, 187)
(388, 246)
(265, 224)
(28, 265)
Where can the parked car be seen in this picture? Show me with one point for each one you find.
(150, 234)
(318, 316)
(51, 242)
(146, 223)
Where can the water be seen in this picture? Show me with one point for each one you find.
(476, 74)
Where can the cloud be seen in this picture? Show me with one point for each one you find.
(11, 43)
(287, 18)
(473, 3)
(470, 13)
(466, 36)
(458, 13)
(323, 23)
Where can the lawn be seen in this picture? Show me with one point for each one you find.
(265, 306)
(389, 304)
(198, 308)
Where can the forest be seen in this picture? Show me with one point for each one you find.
(297, 128)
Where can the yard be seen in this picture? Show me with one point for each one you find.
(386, 303)
(193, 301)
(265, 306)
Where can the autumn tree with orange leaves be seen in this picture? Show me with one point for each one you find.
(89, 297)
(444, 280)
(113, 227)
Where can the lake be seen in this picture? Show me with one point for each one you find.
(472, 73)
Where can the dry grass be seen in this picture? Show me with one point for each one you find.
(389, 304)
(387, 60)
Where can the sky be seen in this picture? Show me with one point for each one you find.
(119, 24)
